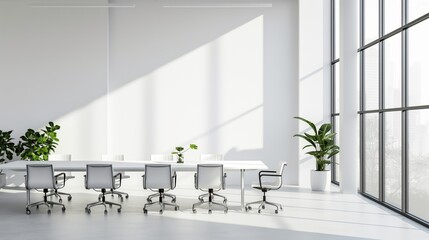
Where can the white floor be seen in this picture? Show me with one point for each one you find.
(306, 215)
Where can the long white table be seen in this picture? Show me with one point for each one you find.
(138, 166)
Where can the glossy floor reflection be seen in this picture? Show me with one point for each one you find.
(306, 215)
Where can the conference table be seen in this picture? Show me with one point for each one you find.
(139, 166)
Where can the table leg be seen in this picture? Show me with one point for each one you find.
(242, 189)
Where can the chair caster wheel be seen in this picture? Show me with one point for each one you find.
(201, 200)
(88, 211)
(149, 200)
(173, 201)
(60, 201)
(110, 205)
(176, 208)
(247, 209)
(37, 206)
(263, 207)
(194, 211)
(225, 201)
(276, 211)
(105, 211)
(160, 211)
(69, 198)
(126, 196)
(145, 211)
(49, 211)
(259, 211)
(27, 211)
(119, 210)
(210, 211)
(63, 209)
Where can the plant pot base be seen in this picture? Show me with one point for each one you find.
(320, 180)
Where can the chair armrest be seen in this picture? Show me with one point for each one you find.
(144, 182)
(266, 171)
(223, 180)
(115, 177)
(60, 180)
(174, 180)
(267, 175)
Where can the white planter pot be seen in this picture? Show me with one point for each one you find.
(2, 180)
(320, 180)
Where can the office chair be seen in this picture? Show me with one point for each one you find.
(61, 157)
(100, 176)
(158, 177)
(210, 177)
(264, 186)
(211, 157)
(116, 157)
(41, 176)
(161, 158)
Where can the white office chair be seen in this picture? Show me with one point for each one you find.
(41, 176)
(210, 157)
(61, 157)
(161, 158)
(210, 177)
(159, 177)
(100, 176)
(268, 180)
(116, 157)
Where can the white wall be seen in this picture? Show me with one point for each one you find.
(314, 73)
(143, 80)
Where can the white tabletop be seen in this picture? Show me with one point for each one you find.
(135, 166)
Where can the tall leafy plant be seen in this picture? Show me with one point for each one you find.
(7, 147)
(322, 142)
(37, 145)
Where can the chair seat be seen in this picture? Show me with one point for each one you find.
(266, 186)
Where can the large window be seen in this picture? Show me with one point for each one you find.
(335, 83)
(394, 112)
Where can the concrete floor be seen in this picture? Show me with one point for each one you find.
(306, 215)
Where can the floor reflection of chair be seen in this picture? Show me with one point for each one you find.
(41, 176)
(116, 157)
(265, 186)
(159, 177)
(100, 176)
(210, 177)
(68, 176)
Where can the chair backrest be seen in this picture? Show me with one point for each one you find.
(61, 157)
(161, 157)
(209, 176)
(40, 176)
(211, 157)
(99, 176)
(279, 181)
(157, 176)
(112, 157)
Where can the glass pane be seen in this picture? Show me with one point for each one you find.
(392, 15)
(418, 46)
(392, 72)
(370, 20)
(337, 87)
(371, 150)
(371, 78)
(392, 156)
(417, 8)
(418, 155)
(337, 28)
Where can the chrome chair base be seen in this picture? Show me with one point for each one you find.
(173, 197)
(102, 202)
(206, 195)
(45, 202)
(161, 195)
(113, 192)
(58, 195)
(263, 203)
(210, 202)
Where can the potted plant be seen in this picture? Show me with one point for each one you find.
(7, 149)
(322, 142)
(36, 146)
(180, 151)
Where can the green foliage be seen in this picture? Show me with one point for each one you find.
(36, 146)
(322, 141)
(7, 147)
(180, 150)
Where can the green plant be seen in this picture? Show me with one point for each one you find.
(322, 141)
(7, 147)
(36, 146)
(180, 151)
